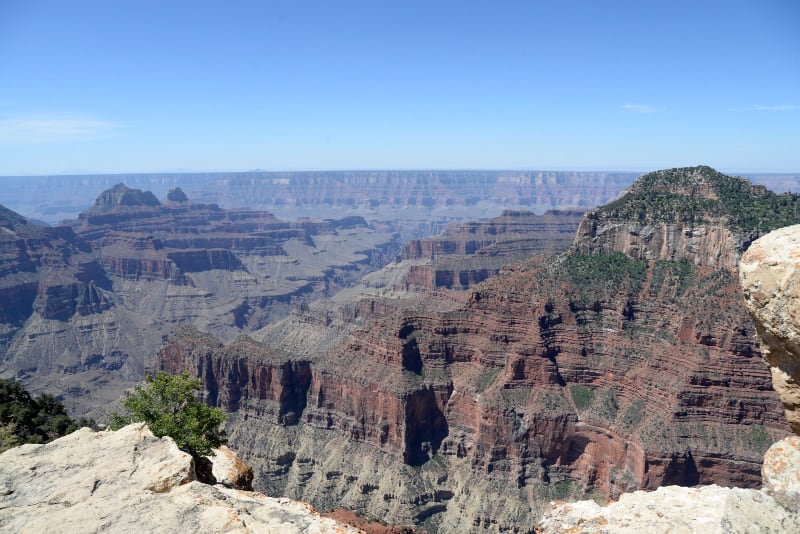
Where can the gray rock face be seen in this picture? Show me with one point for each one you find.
(130, 481)
(122, 197)
(770, 276)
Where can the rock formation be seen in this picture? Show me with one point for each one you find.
(591, 373)
(130, 481)
(83, 306)
(470, 252)
(770, 274)
(122, 198)
(770, 278)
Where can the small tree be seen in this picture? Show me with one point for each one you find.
(169, 406)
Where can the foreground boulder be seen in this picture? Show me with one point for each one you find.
(131, 481)
(770, 276)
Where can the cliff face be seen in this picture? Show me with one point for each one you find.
(574, 375)
(131, 481)
(710, 245)
(470, 252)
(83, 306)
(47, 271)
(769, 278)
(694, 214)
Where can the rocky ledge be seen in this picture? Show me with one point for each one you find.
(131, 481)
(706, 509)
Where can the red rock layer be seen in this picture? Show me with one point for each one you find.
(537, 381)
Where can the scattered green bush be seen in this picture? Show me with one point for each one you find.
(682, 195)
(24, 419)
(605, 272)
(581, 395)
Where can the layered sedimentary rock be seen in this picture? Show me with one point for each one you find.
(131, 481)
(769, 277)
(82, 306)
(591, 373)
(470, 252)
(771, 280)
(694, 214)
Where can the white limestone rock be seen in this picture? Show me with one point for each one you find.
(770, 276)
(130, 481)
(781, 472)
(229, 470)
(674, 509)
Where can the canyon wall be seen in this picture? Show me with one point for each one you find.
(590, 373)
(402, 197)
(769, 277)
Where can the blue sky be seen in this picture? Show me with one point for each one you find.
(152, 86)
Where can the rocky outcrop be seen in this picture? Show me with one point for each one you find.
(176, 196)
(131, 481)
(695, 214)
(781, 473)
(771, 280)
(122, 198)
(707, 509)
(229, 470)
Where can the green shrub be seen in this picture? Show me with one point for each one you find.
(167, 403)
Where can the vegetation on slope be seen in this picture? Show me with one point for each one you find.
(696, 195)
(24, 419)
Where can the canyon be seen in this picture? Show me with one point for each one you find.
(84, 304)
(455, 402)
(454, 383)
(407, 199)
